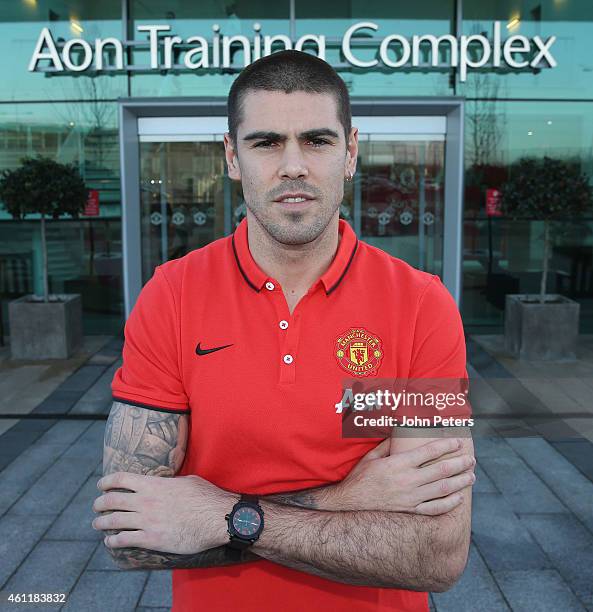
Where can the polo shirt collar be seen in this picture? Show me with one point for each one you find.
(256, 278)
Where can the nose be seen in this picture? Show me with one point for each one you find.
(292, 163)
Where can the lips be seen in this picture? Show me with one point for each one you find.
(290, 198)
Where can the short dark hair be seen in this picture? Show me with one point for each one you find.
(288, 71)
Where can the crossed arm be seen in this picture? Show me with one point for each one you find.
(324, 531)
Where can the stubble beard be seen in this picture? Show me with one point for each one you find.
(295, 227)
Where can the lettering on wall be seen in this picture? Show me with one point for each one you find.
(393, 51)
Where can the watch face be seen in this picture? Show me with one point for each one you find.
(246, 521)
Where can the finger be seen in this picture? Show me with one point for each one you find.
(444, 468)
(379, 451)
(114, 501)
(117, 520)
(125, 539)
(432, 450)
(447, 486)
(440, 506)
(121, 480)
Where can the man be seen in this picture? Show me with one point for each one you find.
(232, 367)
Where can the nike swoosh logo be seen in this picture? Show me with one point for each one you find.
(201, 351)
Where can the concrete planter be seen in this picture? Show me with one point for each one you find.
(546, 331)
(45, 330)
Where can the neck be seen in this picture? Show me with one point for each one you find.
(295, 267)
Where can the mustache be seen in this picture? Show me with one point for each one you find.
(294, 187)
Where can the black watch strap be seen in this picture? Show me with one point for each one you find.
(237, 544)
(252, 499)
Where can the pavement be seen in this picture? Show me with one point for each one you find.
(532, 524)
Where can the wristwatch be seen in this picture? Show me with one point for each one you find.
(245, 522)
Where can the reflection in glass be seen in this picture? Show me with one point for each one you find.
(401, 186)
(85, 255)
(502, 256)
(571, 22)
(186, 199)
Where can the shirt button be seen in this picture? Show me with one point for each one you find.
(288, 359)
(283, 324)
(270, 286)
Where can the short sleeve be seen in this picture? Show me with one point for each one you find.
(150, 373)
(439, 350)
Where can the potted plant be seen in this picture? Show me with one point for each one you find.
(47, 326)
(544, 326)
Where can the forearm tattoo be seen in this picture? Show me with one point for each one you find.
(153, 443)
(314, 499)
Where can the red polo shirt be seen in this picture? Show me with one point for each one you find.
(262, 409)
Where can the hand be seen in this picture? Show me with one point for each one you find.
(406, 482)
(183, 515)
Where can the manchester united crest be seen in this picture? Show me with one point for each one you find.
(359, 352)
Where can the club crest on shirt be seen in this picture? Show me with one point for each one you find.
(359, 352)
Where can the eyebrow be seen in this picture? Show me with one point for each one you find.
(276, 137)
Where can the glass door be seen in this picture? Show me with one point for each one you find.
(396, 201)
(402, 193)
(184, 190)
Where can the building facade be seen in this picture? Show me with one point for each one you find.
(446, 96)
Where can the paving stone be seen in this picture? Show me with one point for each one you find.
(17, 539)
(145, 609)
(516, 395)
(483, 483)
(514, 427)
(59, 402)
(20, 475)
(483, 427)
(99, 591)
(520, 486)
(492, 447)
(101, 559)
(17, 441)
(503, 541)
(567, 482)
(74, 523)
(33, 424)
(484, 363)
(89, 444)
(475, 590)
(104, 357)
(83, 378)
(115, 344)
(97, 400)
(52, 567)
(158, 590)
(431, 606)
(541, 590)
(52, 492)
(65, 431)
(570, 548)
(579, 453)
(557, 429)
(6, 460)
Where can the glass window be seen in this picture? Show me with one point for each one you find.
(21, 24)
(501, 255)
(570, 21)
(188, 19)
(333, 18)
(85, 255)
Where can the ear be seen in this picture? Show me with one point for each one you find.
(351, 153)
(232, 160)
